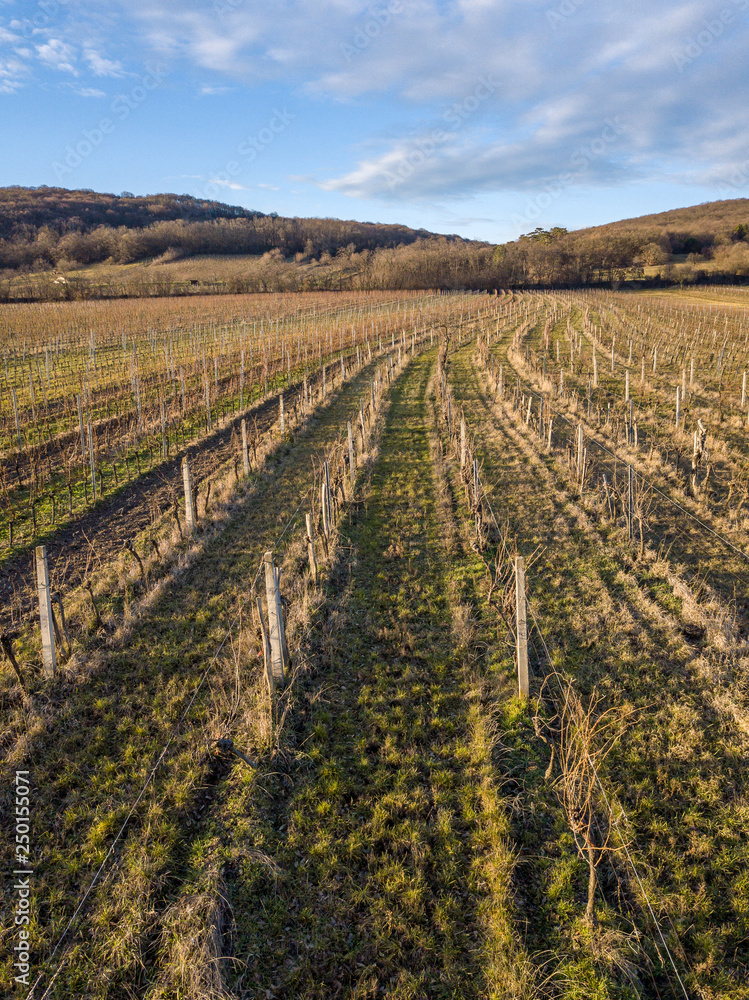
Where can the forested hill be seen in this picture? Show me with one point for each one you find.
(23, 210)
(683, 230)
(54, 227)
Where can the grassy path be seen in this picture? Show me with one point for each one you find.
(386, 872)
(679, 770)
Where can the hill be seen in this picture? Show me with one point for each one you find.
(43, 228)
(706, 242)
(683, 230)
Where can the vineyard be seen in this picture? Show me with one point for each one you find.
(272, 568)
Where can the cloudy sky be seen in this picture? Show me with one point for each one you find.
(485, 118)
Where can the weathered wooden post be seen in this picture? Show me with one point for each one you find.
(49, 655)
(462, 443)
(580, 445)
(595, 369)
(551, 425)
(208, 418)
(325, 509)
(189, 502)
(311, 547)
(245, 449)
(18, 424)
(282, 417)
(268, 661)
(351, 459)
(164, 439)
(631, 501)
(92, 458)
(521, 640)
(626, 386)
(276, 628)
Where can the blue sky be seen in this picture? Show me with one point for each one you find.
(485, 118)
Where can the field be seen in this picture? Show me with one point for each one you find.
(395, 818)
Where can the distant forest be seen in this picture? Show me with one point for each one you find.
(53, 230)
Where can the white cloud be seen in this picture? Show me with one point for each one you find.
(89, 92)
(13, 73)
(58, 55)
(231, 185)
(101, 66)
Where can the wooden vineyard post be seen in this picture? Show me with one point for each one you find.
(189, 503)
(245, 449)
(276, 628)
(208, 418)
(580, 440)
(91, 457)
(630, 501)
(281, 416)
(328, 494)
(325, 502)
(18, 424)
(49, 655)
(268, 661)
(595, 369)
(678, 406)
(626, 386)
(311, 547)
(521, 640)
(462, 443)
(551, 427)
(351, 459)
(164, 439)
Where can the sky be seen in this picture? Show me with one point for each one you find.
(485, 118)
